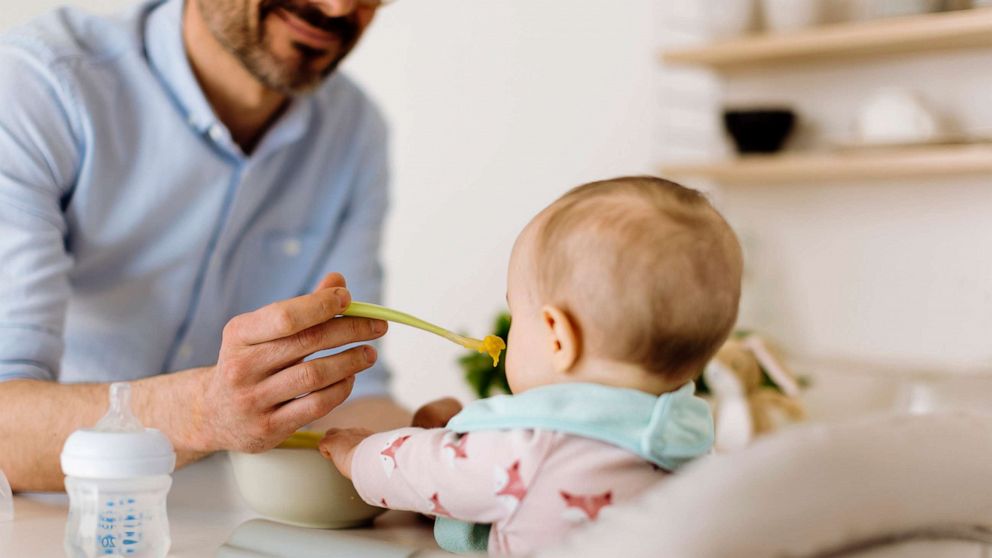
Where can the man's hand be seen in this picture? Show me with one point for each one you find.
(436, 414)
(261, 391)
(339, 446)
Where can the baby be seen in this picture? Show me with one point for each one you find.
(620, 292)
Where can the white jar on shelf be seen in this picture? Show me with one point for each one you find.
(894, 115)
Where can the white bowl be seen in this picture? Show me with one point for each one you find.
(300, 487)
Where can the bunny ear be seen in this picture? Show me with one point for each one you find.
(722, 381)
(776, 371)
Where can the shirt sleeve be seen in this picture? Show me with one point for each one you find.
(39, 155)
(355, 250)
(478, 477)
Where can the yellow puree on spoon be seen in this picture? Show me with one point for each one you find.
(491, 344)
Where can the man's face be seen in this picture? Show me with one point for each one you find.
(288, 45)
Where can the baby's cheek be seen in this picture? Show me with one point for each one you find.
(521, 373)
(508, 354)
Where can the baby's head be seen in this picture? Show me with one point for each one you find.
(632, 282)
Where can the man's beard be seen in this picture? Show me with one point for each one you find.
(230, 22)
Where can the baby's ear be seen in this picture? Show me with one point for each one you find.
(563, 336)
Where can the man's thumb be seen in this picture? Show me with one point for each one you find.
(330, 281)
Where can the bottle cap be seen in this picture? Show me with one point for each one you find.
(118, 446)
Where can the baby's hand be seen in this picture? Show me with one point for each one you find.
(339, 446)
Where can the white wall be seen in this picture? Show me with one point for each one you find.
(496, 107)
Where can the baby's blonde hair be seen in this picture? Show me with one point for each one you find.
(647, 268)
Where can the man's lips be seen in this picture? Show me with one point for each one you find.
(306, 33)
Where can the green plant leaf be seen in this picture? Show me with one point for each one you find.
(480, 374)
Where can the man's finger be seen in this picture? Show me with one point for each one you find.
(334, 333)
(330, 281)
(314, 375)
(299, 412)
(288, 317)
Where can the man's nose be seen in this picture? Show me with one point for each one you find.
(337, 8)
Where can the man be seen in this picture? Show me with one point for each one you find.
(172, 184)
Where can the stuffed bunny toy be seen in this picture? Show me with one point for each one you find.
(745, 407)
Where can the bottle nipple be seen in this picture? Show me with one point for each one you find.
(119, 417)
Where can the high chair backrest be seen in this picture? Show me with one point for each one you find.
(883, 486)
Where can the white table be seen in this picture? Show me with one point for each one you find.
(204, 509)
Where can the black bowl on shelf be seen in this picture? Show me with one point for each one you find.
(761, 130)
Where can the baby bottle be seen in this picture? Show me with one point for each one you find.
(117, 478)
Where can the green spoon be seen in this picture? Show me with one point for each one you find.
(491, 344)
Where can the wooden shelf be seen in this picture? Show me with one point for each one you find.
(866, 163)
(937, 31)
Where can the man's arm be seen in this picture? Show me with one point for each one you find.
(259, 392)
(39, 415)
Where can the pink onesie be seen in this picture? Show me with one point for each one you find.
(530, 465)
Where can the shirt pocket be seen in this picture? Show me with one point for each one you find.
(278, 267)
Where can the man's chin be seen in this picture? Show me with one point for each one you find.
(297, 75)
(293, 63)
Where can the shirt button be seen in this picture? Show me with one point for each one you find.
(292, 247)
(185, 351)
(216, 133)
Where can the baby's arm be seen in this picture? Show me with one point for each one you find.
(340, 443)
(479, 476)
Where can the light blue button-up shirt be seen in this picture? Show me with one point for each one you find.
(132, 227)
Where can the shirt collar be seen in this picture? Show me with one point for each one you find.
(167, 58)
